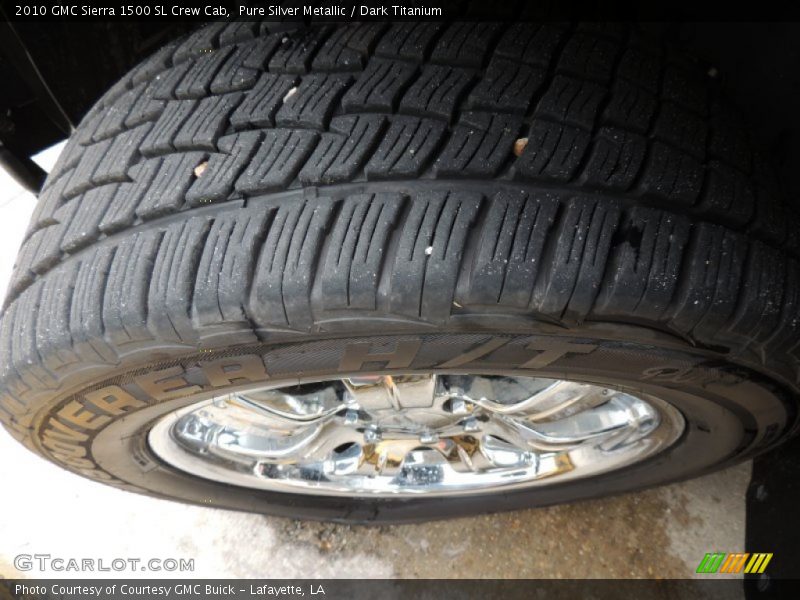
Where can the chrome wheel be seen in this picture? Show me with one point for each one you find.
(414, 434)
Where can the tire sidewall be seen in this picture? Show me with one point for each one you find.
(731, 413)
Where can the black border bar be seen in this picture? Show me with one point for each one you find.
(76, 11)
(385, 589)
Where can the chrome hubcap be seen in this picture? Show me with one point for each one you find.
(414, 434)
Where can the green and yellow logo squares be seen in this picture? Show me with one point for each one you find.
(720, 562)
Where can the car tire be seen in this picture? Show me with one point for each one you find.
(274, 203)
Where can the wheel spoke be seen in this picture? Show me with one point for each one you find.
(462, 453)
(521, 435)
(604, 420)
(271, 448)
(550, 401)
(395, 392)
(386, 457)
(287, 407)
(333, 435)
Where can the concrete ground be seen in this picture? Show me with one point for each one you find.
(660, 533)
